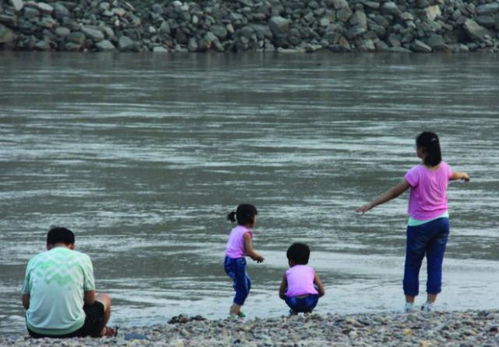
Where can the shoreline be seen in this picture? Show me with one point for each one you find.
(449, 328)
(421, 26)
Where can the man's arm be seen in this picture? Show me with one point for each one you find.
(26, 301)
(89, 297)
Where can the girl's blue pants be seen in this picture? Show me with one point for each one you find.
(236, 270)
(428, 240)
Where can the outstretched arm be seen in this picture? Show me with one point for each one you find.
(460, 176)
(250, 252)
(390, 194)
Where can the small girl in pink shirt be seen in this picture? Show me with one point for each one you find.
(240, 245)
(428, 224)
(301, 287)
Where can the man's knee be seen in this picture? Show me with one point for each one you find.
(105, 299)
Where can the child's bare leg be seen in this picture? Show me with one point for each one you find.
(235, 309)
(431, 298)
(409, 299)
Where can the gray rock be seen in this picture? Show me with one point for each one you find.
(359, 19)
(219, 30)
(62, 32)
(488, 9)
(48, 22)
(45, 8)
(406, 16)
(165, 28)
(8, 20)
(475, 31)
(324, 22)
(60, 11)
(279, 25)
(42, 45)
(76, 37)
(371, 4)
(6, 35)
(421, 47)
(344, 14)
(355, 31)
(394, 40)
(105, 45)
(108, 31)
(119, 12)
(31, 12)
(366, 45)
(192, 46)
(159, 49)
(213, 42)
(436, 42)
(487, 21)
(338, 4)
(433, 12)
(390, 8)
(93, 33)
(126, 44)
(18, 4)
(72, 47)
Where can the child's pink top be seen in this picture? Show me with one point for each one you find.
(300, 280)
(428, 197)
(235, 246)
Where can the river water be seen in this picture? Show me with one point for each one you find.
(142, 156)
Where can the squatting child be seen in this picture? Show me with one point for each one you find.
(301, 287)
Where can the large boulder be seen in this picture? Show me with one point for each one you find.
(475, 31)
(6, 35)
(488, 9)
(105, 45)
(95, 34)
(18, 4)
(126, 44)
(279, 25)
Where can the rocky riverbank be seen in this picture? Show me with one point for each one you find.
(257, 25)
(470, 328)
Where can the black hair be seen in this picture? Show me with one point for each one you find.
(60, 235)
(244, 214)
(431, 145)
(299, 253)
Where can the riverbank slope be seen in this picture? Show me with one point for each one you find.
(255, 25)
(469, 328)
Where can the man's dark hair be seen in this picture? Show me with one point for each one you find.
(299, 253)
(60, 235)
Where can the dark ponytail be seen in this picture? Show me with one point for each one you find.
(430, 143)
(244, 214)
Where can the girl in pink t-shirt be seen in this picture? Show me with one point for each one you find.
(240, 245)
(301, 287)
(428, 225)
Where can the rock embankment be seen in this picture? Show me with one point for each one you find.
(472, 328)
(250, 25)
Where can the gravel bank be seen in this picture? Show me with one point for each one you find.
(421, 26)
(469, 328)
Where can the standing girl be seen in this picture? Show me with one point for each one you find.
(240, 245)
(428, 225)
